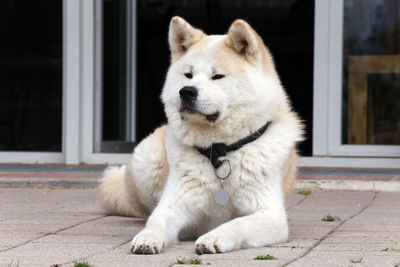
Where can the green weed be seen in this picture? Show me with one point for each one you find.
(359, 260)
(185, 261)
(266, 257)
(305, 192)
(330, 218)
(82, 264)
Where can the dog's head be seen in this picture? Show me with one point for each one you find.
(219, 88)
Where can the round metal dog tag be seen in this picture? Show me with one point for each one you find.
(224, 170)
(221, 197)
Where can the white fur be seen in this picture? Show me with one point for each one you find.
(247, 97)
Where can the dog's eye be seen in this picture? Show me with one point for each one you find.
(188, 75)
(217, 76)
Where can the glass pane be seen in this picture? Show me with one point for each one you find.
(30, 75)
(114, 69)
(116, 91)
(371, 72)
(286, 26)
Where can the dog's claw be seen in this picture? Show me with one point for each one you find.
(198, 251)
(202, 249)
(137, 251)
(207, 251)
(145, 250)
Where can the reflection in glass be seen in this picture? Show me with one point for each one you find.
(371, 72)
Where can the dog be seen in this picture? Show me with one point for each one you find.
(221, 168)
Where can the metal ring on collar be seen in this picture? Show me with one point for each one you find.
(223, 159)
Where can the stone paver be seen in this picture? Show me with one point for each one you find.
(43, 227)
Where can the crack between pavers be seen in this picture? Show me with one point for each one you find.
(126, 241)
(296, 204)
(332, 231)
(59, 230)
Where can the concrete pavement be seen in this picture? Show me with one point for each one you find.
(47, 227)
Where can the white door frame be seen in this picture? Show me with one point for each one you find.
(71, 79)
(91, 85)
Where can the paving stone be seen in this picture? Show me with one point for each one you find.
(17, 202)
(81, 239)
(46, 254)
(340, 236)
(346, 258)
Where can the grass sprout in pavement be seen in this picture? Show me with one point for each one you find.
(266, 257)
(359, 260)
(331, 218)
(185, 261)
(82, 264)
(305, 192)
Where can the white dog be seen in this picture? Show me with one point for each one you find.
(222, 167)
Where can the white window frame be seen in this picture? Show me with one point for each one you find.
(328, 151)
(70, 97)
(78, 86)
(335, 146)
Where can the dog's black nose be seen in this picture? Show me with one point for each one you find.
(188, 93)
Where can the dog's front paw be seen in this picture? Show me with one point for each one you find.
(210, 244)
(147, 242)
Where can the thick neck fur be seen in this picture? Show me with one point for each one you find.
(230, 129)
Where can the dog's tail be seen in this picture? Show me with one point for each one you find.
(112, 195)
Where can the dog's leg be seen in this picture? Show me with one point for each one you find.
(262, 228)
(177, 209)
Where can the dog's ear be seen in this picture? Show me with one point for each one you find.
(181, 37)
(244, 40)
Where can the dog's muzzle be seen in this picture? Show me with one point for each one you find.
(188, 95)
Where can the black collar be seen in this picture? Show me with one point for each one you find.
(218, 150)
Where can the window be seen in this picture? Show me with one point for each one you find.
(371, 72)
(31, 75)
